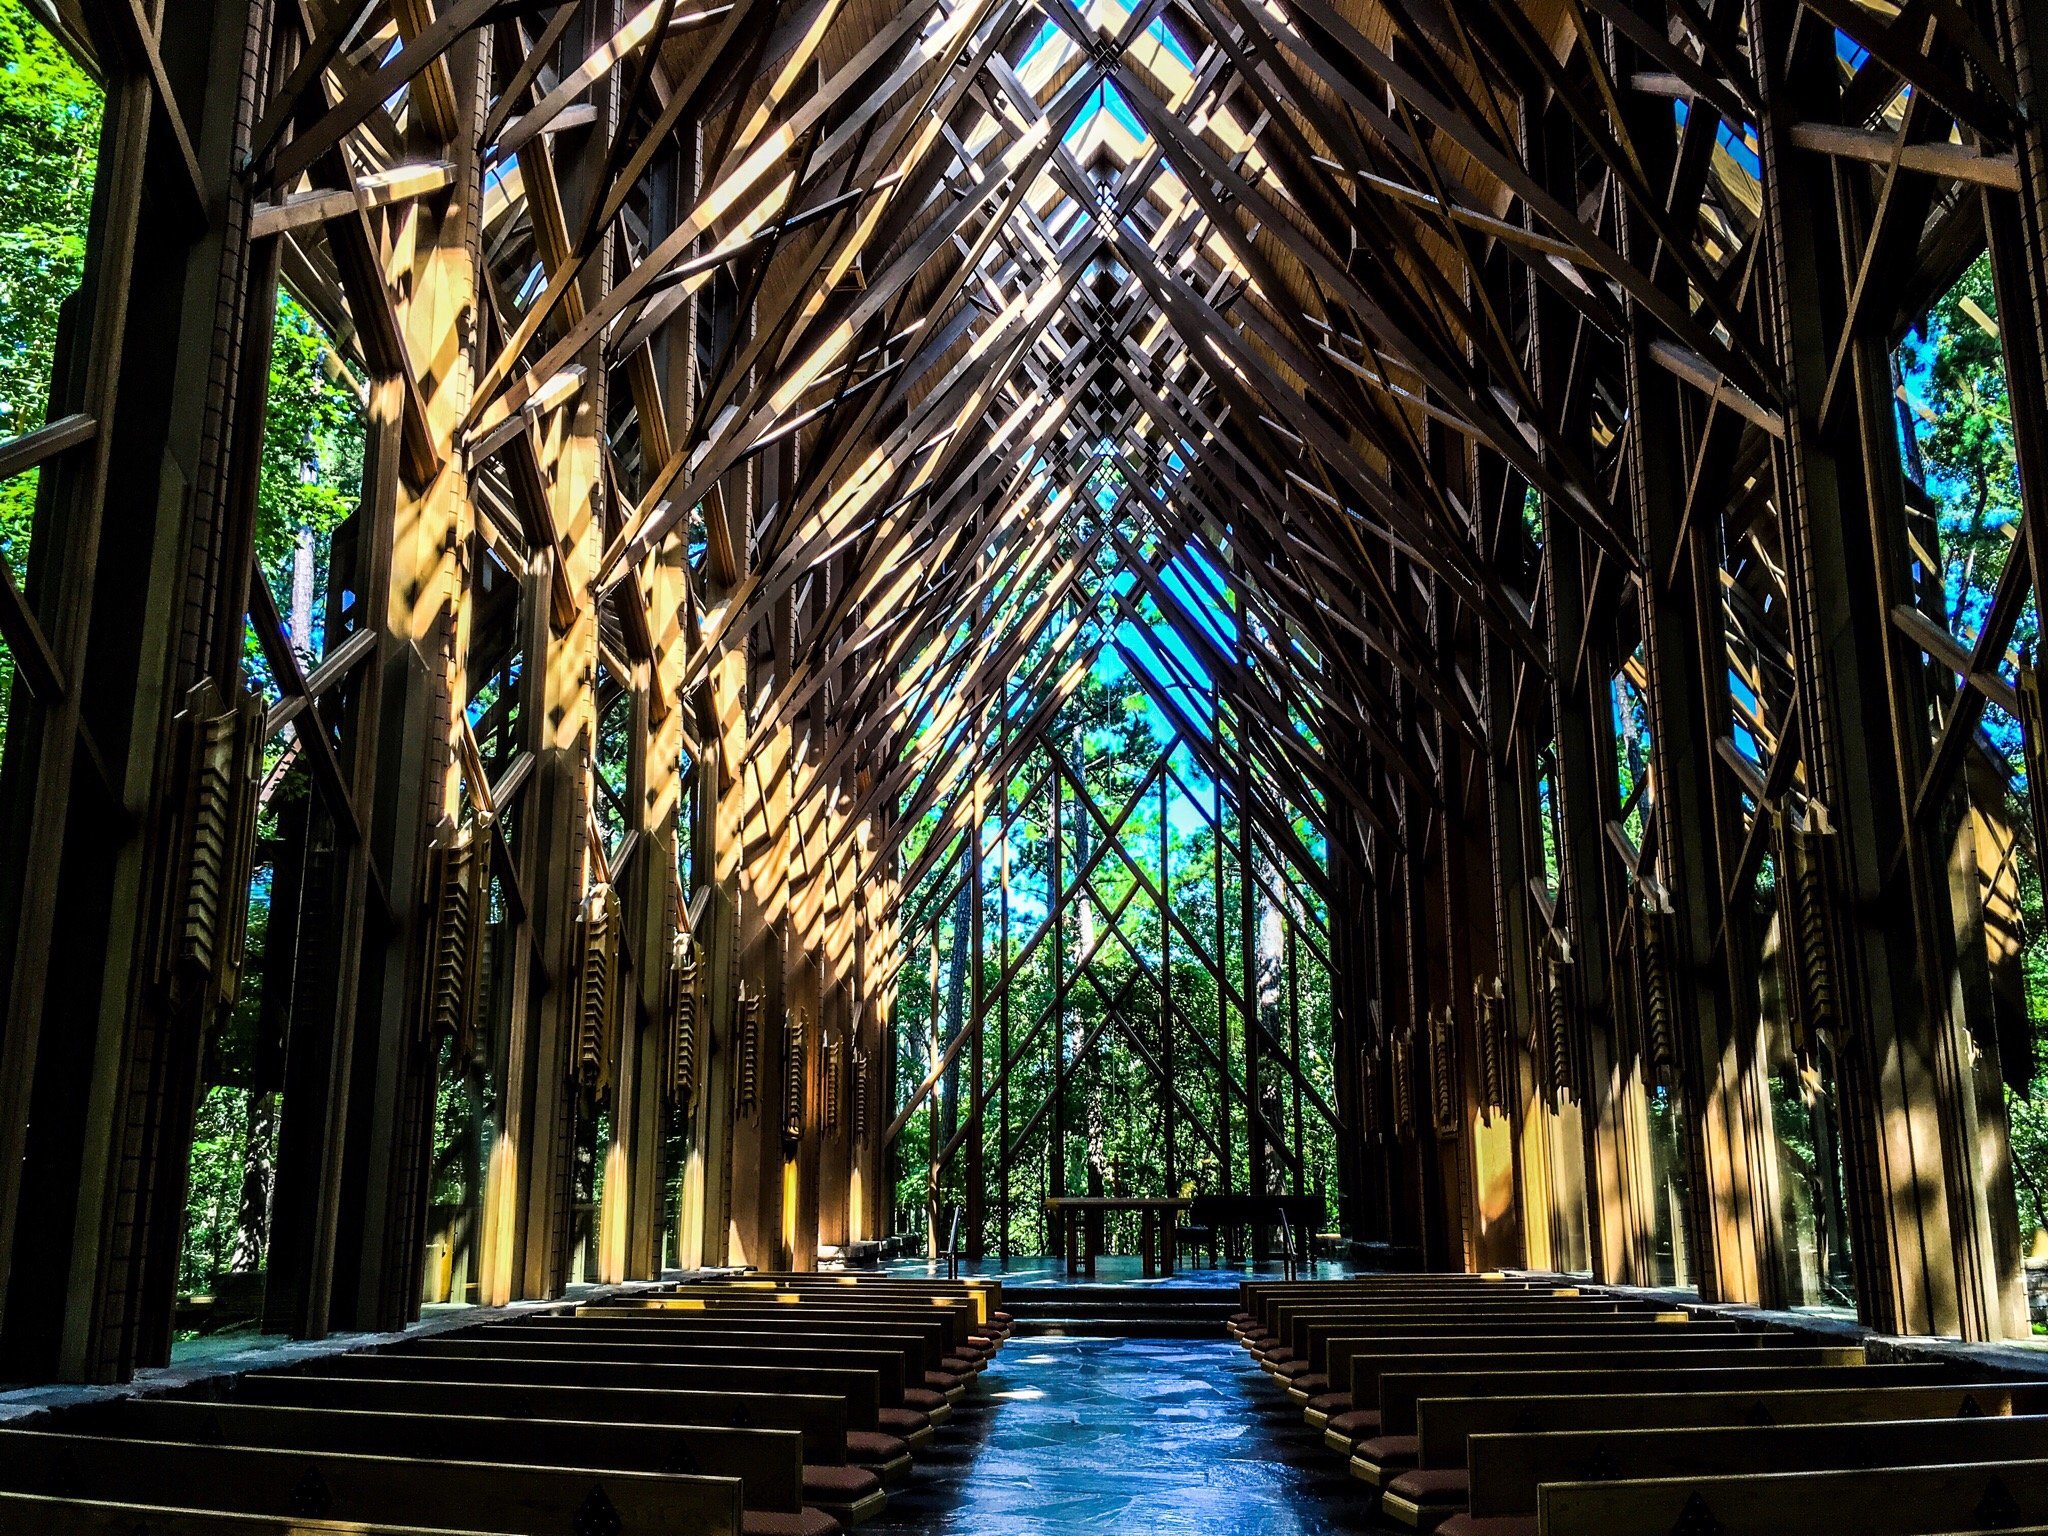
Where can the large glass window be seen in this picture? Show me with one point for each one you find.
(49, 143)
(310, 481)
(1962, 469)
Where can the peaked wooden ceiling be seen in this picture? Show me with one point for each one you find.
(1159, 329)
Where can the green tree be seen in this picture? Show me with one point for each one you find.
(1962, 438)
(309, 480)
(49, 144)
(1967, 445)
(312, 470)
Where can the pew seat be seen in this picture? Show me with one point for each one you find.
(1378, 1457)
(1488, 1525)
(849, 1494)
(1423, 1496)
(887, 1455)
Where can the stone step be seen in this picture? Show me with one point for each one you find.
(1120, 1311)
(1017, 1306)
(1117, 1296)
(1122, 1326)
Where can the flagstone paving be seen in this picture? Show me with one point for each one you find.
(1067, 1435)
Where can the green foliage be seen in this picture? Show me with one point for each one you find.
(220, 1145)
(49, 143)
(312, 470)
(49, 140)
(1968, 445)
(1115, 1119)
(1962, 433)
(308, 482)
(2029, 1118)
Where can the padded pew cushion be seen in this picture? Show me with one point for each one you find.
(900, 1421)
(1332, 1403)
(807, 1522)
(1311, 1383)
(871, 1447)
(1433, 1487)
(1389, 1452)
(838, 1485)
(1488, 1525)
(1359, 1423)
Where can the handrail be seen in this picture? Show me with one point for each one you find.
(953, 1246)
(1287, 1243)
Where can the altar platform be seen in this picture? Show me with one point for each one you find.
(1120, 1301)
(1125, 1270)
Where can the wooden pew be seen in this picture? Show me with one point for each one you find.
(912, 1350)
(449, 1426)
(953, 1350)
(958, 1313)
(1507, 1470)
(887, 1365)
(1276, 1347)
(1446, 1425)
(1329, 1344)
(984, 1295)
(1341, 1350)
(1337, 1342)
(1887, 1501)
(819, 1422)
(946, 1346)
(1397, 1445)
(1318, 1335)
(1368, 1368)
(1252, 1292)
(1293, 1321)
(1276, 1304)
(39, 1514)
(1268, 1326)
(1258, 1296)
(491, 1497)
(1322, 1399)
(977, 1304)
(871, 1440)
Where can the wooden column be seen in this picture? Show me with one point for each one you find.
(1056, 1172)
(977, 1011)
(1166, 1085)
(126, 589)
(1927, 1256)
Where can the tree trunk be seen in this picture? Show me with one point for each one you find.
(956, 1010)
(252, 1217)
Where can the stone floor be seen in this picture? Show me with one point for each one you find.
(1068, 1435)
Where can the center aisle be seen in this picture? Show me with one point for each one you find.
(1068, 1435)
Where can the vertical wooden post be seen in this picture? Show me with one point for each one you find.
(1251, 991)
(1003, 1027)
(381, 1151)
(1166, 1084)
(1294, 1048)
(1056, 1172)
(977, 1012)
(1223, 1070)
